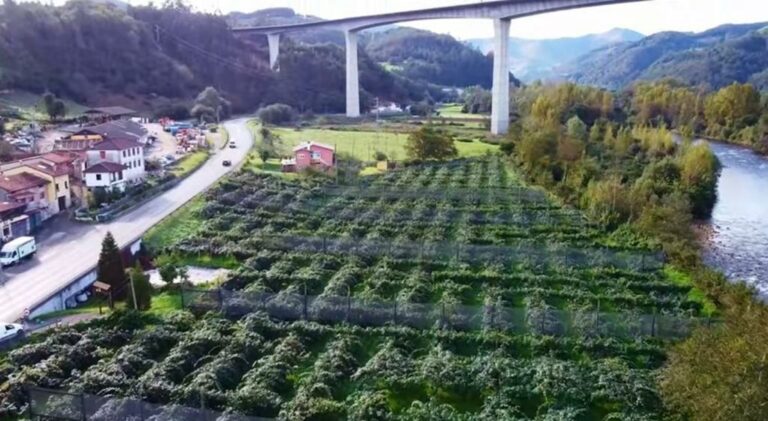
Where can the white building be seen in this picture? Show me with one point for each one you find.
(108, 175)
(126, 153)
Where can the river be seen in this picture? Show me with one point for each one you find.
(738, 231)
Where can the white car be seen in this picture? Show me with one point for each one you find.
(10, 331)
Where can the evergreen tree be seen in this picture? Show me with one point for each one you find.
(141, 287)
(110, 269)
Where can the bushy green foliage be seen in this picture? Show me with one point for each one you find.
(210, 106)
(718, 373)
(430, 143)
(141, 289)
(277, 114)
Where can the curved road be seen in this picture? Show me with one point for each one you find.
(75, 250)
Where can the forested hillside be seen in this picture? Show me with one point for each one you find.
(414, 54)
(714, 58)
(426, 56)
(100, 54)
(533, 59)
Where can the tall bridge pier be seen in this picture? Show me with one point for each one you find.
(501, 12)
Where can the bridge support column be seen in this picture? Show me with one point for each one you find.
(353, 84)
(500, 102)
(274, 50)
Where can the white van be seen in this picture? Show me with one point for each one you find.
(15, 250)
(10, 330)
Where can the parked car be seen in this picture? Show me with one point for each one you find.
(227, 163)
(10, 331)
(15, 251)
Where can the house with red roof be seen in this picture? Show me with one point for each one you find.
(122, 163)
(107, 175)
(55, 169)
(313, 155)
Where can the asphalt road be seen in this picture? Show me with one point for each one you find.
(74, 248)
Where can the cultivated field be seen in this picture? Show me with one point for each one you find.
(532, 312)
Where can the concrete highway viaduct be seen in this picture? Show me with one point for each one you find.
(501, 12)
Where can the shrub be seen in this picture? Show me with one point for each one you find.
(277, 114)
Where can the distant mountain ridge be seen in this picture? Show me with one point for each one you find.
(532, 59)
(714, 58)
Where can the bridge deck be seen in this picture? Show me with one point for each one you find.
(498, 9)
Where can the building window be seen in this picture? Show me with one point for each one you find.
(66, 185)
(124, 154)
(315, 155)
(120, 176)
(42, 195)
(57, 187)
(98, 177)
(103, 154)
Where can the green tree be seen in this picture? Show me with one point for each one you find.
(537, 147)
(141, 287)
(430, 143)
(54, 107)
(576, 129)
(270, 145)
(277, 114)
(110, 269)
(720, 373)
(731, 109)
(167, 268)
(596, 133)
(699, 172)
(210, 105)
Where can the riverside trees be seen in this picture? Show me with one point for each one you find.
(620, 173)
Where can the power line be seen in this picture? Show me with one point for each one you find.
(205, 53)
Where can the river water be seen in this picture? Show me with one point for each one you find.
(737, 238)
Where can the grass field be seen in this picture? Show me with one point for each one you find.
(363, 145)
(190, 162)
(454, 111)
(178, 225)
(29, 105)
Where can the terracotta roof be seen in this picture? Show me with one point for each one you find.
(8, 206)
(104, 167)
(61, 157)
(308, 145)
(19, 182)
(114, 145)
(50, 169)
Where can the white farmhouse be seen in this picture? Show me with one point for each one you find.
(108, 175)
(127, 153)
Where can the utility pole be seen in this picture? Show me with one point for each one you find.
(133, 292)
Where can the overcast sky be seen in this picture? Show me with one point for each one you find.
(646, 17)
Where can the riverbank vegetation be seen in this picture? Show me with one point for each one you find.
(624, 168)
(572, 141)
